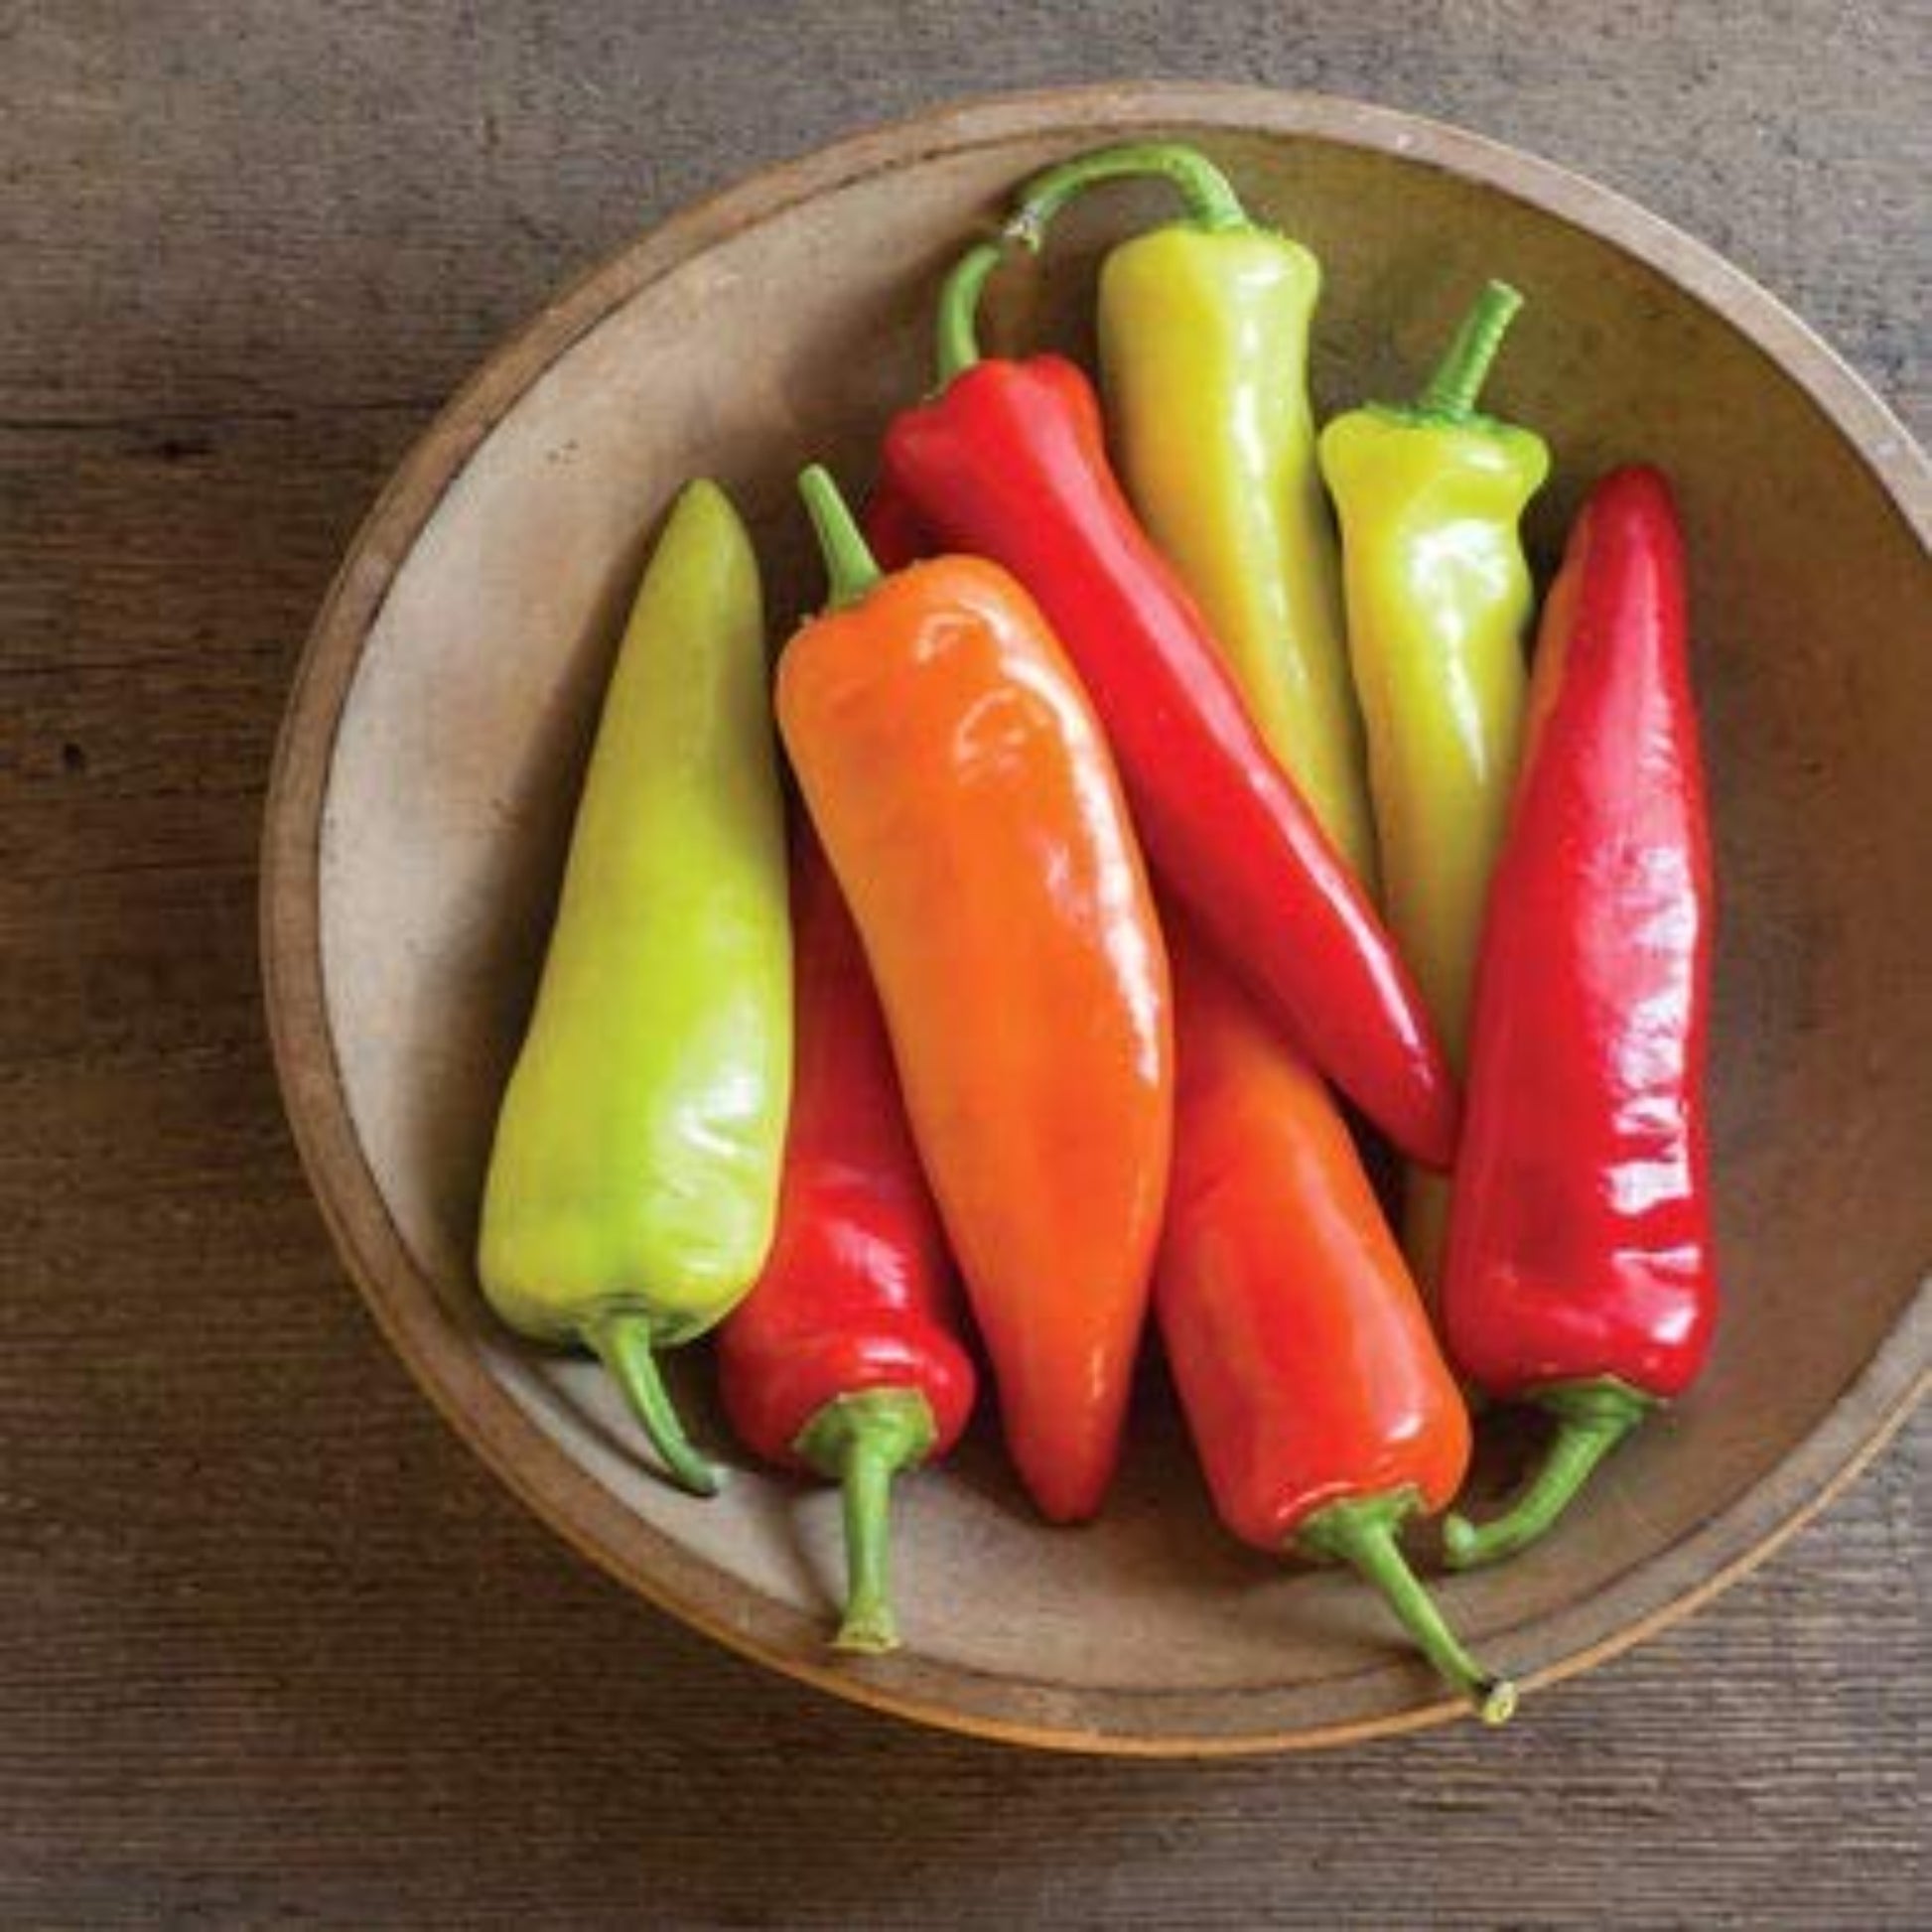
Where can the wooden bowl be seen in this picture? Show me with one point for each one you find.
(429, 763)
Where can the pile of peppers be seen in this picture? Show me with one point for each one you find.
(1177, 808)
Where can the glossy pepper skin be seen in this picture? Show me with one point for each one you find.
(1204, 352)
(959, 780)
(845, 1358)
(634, 1178)
(1320, 1405)
(1438, 595)
(1579, 1272)
(892, 531)
(1008, 462)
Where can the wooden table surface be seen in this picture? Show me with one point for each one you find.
(273, 1647)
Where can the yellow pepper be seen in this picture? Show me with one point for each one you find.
(1438, 600)
(633, 1184)
(1204, 343)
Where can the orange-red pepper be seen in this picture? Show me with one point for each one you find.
(1320, 1407)
(966, 799)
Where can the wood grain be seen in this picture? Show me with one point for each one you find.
(272, 1646)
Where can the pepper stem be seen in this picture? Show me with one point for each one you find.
(1360, 1532)
(849, 568)
(1591, 1419)
(959, 304)
(1210, 197)
(863, 1442)
(623, 1341)
(1452, 390)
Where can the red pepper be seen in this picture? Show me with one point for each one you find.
(845, 1357)
(894, 530)
(1320, 1407)
(1008, 462)
(1578, 1273)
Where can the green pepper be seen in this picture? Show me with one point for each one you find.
(1439, 599)
(1204, 353)
(634, 1185)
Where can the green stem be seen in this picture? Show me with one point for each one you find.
(1210, 197)
(1361, 1532)
(849, 568)
(959, 303)
(863, 1442)
(1591, 1419)
(1452, 390)
(624, 1344)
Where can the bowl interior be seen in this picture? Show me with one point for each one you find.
(790, 336)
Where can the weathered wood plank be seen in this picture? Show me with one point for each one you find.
(271, 1645)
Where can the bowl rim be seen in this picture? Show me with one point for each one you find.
(441, 1354)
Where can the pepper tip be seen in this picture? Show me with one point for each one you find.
(1460, 1543)
(699, 1478)
(870, 1632)
(1022, 228)
(1495, 1701)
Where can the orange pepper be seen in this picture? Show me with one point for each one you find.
(970, 808)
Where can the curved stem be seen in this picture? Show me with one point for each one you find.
(863, 1442)
(1210, 197)
(1452, 390)
(959, 302)
(624, 1344)
(1361, 1533)
(1591, 1419)
(850, 568)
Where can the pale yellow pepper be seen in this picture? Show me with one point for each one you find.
(1439, 599)
(1204, 347)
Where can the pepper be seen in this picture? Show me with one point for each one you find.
(845, 1358)
(635, 1177)
(1204, 358)
(892, 531)
(1438, 604)
(1320, 1405)
(1579, 1272)
(1008, 462)
(964, 792)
